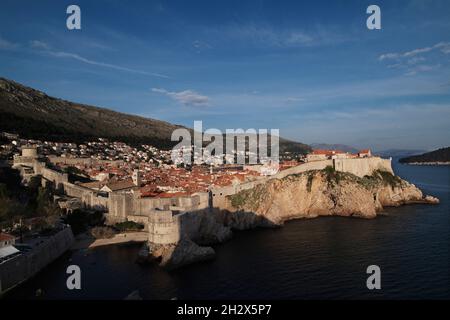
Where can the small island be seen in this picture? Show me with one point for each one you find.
(437, 157)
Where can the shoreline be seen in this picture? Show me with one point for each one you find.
(433, 163)
(86, 242)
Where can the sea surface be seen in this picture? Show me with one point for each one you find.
(323, 258)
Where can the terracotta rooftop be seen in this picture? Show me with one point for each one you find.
(6, 237)
(120, 185)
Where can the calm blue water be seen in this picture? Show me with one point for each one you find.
(324, 258)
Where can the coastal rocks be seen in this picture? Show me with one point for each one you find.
(177, 255)
(405, 193)
(431, 200)
(320, 193)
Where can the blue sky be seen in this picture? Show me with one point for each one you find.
(310, 68)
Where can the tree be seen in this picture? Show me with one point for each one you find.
(43, 198)
(3, 191)
(35, 182)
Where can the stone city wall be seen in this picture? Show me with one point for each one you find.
(363, 166)
(85, 161)
(24, 266)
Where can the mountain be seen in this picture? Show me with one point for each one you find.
(327, 146)
(440, 155)
(35, 115)
(398, 152)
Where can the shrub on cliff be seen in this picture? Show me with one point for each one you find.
(80, 219)
(310, 181)
(129, 226)
(250, 198)
(387, 178)
(332, 175)
(102, 232)
(380, 177)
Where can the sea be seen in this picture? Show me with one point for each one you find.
(322, 258)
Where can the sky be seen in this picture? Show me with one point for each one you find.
(311, 69)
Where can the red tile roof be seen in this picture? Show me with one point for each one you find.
(6, 237)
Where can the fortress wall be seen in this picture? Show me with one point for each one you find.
(85, 161)
(363, 166)
(23, 267)
(313, 165)
(163, 227)
(143, 206)
(23, 160)
(73, 190)
(54, 176)
(57, 178)
(119, 206)
(95, 201)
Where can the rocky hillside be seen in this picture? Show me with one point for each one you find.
(33, 114)
(320, 193)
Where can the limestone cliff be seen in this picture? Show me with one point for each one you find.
(177, 255)
(319, 193)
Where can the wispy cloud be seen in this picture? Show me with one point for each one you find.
(45, 48)
(263, 35)
(200, 46)
(186, 97)
(443, 46)
(422, 68)
(294, 99)
(37, 44)
(7, 45)
(411, 60)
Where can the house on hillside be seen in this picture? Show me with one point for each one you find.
(7, 249)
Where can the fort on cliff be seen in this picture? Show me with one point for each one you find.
(167, 219)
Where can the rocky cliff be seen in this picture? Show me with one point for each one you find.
(319, 193)
(305, 195)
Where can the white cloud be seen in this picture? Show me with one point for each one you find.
(61, 54)
(422, 68)
(45, 48)
(186, 97)
(200, 46)
(410, 61)
(416, 60)
(36, 44)
(443, 46)
(294, 99)
(6, 45)
(263, 35)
